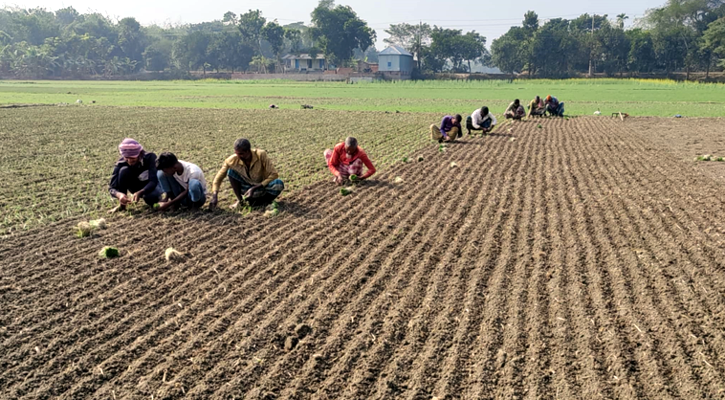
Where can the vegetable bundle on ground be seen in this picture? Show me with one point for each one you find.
(109, 252)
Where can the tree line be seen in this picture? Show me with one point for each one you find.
(36, 43)
(682, 35)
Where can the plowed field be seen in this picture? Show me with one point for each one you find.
(578, 260)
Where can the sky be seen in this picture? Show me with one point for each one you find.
(489, 18)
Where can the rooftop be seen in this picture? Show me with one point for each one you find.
(303, 56)
(395, 50)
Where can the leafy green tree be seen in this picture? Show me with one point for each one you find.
(230, 18)
(192, 51)
(714, 40)
(273, 33)
(473, 48)
(250, 26)
(509, 50)
(155, 59)
(614, 47)
(305, 35)
(293, 39)
(641, 56)
(338, 31)
(678, 28)
(236, 55)
(67, 16)
(131, 40)
(553, 48)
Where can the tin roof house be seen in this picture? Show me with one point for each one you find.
(395, 61)
(304, 62)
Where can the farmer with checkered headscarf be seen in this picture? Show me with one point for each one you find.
(134, 172)
(252, 175)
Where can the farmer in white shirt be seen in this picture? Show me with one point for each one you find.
(183, 182)
(481, 120)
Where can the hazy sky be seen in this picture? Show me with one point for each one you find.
(489, 18)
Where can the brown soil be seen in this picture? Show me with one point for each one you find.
(580, 260)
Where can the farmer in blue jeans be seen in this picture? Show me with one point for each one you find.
(183, 183)
(554, 107)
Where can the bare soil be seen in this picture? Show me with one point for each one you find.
(579, 260)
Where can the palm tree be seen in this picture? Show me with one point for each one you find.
(620, 20)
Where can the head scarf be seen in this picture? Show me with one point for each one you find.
(130, 148)
(548, 98)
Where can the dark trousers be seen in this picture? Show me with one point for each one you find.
(469, 124)
(262, 196)
(129, 182)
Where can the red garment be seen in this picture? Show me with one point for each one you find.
(341, 158)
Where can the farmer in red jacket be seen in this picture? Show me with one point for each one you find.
(348, 159)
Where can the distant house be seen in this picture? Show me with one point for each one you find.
(395, 61)
(304, 62)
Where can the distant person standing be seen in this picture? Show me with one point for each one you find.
(554, 106)
(449, 130)
(536, 107)
(183, 182)
(515, 110)
(481, 120)
(134, 172)
(347, 159)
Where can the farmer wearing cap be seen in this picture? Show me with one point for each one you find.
(348, 159)
(554, 107)
(515, 110)
(135, 172)
(449, 130)
(536, 107)
(481, 120)
(252, 175)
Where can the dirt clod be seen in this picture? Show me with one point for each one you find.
(290, 343)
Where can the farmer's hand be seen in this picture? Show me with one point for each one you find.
(137, 196)
(164, 206)
(339, 180)
(251, 191)
(123, 199)
(213, 202)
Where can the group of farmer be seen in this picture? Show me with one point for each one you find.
(167, 183)
(482, 120)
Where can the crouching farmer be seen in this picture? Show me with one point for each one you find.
(481, 120)
(515, 110)
(251, 174)
(536, 107)
(449, 130)
(183, 183)
(554, 107)
(134, 172)
(348, 159)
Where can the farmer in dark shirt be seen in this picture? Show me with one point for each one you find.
(134, 172)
